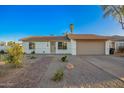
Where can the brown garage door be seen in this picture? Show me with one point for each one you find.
(90, 47)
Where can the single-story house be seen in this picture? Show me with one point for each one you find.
(75, 44)
(117, 42)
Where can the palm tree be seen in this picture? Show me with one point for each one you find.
(71, 27)
(117, 11)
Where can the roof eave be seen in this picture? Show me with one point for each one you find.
(58, 40)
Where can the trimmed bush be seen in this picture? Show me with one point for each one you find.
(63, 59)
(58, 76)
(33, 52)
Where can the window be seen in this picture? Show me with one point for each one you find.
(31, 45)
(62, 45)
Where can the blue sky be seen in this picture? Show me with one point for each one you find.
(21, 21)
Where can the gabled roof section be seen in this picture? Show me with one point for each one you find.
(87, 37)
(45, 38)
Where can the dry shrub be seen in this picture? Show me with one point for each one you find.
(14, 54)
(58, 76)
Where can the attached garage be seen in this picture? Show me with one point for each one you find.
(89, 44)
(90, 47)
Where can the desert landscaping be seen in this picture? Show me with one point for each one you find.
(78, 71)
(62, 46)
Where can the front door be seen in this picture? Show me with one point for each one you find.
(53, 47)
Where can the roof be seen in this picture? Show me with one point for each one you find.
(87, 37)
(65, 38)
(45, 38)
(117, 38)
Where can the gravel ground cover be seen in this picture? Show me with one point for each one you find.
(37, 73)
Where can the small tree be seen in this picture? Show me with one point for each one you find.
(15, 54)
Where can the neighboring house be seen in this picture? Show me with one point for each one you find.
(75, 44)
(3, 46)
(117, 42)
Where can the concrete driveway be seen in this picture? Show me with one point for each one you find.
(87, 72)
(111, 64)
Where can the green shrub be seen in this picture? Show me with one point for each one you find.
(2, 52)
(9, 59)
(63, 59)
(33, 52)
(32, 57)
(2, 57)
(15, 54)
(58, 75)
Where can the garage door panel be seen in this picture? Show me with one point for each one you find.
(90, 48)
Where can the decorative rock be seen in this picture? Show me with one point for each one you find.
(69, 66)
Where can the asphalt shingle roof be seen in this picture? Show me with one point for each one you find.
(45, 38)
